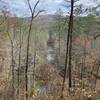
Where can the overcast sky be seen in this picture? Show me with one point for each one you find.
(20, 7)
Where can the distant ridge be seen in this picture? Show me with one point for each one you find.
(42, 19)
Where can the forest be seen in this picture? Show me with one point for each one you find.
(50, 54)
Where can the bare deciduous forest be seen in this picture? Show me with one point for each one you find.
(50, 56)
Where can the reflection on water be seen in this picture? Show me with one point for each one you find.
(50, 55)
(43, 91)
(50, 48)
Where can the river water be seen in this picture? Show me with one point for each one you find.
(50, 55)
(50, 59)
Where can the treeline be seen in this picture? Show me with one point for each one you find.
(26, 73)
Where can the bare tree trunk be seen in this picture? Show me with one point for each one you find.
(27, 60)
(18, 74)
(97, 71)
(12, 58)
(84, 59)
(34, 68)
(12, 55)
(69, 49)
(59, 40)
(59, 46)
(33, 16)
(35, 54)
(13, 62)
(82, 66)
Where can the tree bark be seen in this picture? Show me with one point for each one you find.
(20, 51)
(33, 16)
(68, 51)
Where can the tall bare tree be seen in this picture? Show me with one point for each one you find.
(19, 60)
(12, 56)
(69, 49)
(34, 14)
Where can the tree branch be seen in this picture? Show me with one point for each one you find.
(38, 13)
(30, 6)
(95, 37)
(35, 7)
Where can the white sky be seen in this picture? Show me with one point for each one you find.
(20, 8)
